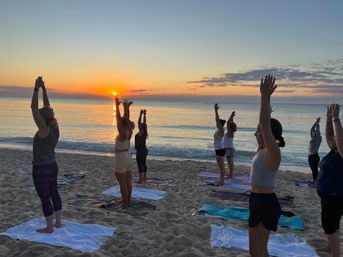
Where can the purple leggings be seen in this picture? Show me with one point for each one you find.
(45, 181)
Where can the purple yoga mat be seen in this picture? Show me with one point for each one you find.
(227, 184)
(239, 178)
(285, 201)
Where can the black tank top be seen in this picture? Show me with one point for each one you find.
(140, 142)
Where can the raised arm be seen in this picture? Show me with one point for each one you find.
(233, 114)
(140, 120)
(318, 128)
(45, 95)
(329, 133)
(126, 104)
(218, 124)
(313, 128)
(121, 131)
(337, 128)
(43, 129)
(144, 116)
(267, 88)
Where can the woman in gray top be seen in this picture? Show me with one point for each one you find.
(313, 157)
(45, 168)
(264, 206)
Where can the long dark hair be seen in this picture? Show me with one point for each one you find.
(277, 131)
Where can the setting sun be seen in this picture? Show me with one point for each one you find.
(114, 93)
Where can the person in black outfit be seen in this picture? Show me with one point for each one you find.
(45, 169)
(313, 148)
(140, 146)
(330, 181)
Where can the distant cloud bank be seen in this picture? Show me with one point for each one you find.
(317, 78)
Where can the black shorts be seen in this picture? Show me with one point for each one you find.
(264, 208)
(332, 211)
(220, 152)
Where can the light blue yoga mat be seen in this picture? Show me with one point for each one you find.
(138, 192)
(281, 245)
(82, 237)
(238, 213)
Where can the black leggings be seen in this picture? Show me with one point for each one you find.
(313, 160)
(45, 181)
(141, 160)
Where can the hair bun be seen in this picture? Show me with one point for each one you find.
(281, 142)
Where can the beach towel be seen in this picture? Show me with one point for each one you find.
(208, 174)
(304, 183)
(137, 206)
(82, 237)
(158, 182)
(227, 184)
(281, 245)
(285, 201)
(239, 213)
(67, 179)
(138, 192)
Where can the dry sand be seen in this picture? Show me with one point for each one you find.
(170, 230)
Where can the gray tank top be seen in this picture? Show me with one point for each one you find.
(44, 148)
(260, 176)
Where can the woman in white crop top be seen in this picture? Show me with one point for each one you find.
(218, 144)
(263, 204)
(228, 144)
(123, 160)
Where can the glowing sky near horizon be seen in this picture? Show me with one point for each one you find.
(168, 47)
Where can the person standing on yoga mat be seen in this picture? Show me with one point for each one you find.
(228, 144)
(330, 181)
(45, 169)
(219, 144)
(313, 157)
(140, 146)
(264, 206)
(123, 160)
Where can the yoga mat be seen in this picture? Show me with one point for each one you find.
(82, 237)
(138, 192)
(67, 179)
(208, 174)
(242, 214)
(158, 182)
(227, 184)
(281, 245)
(285, 201)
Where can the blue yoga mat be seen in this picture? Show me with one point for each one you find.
(239, 213)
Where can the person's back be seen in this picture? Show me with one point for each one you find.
(44, 147)
(330, 177)
(121, 145)
(140, 142)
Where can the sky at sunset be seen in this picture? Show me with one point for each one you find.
(176, 47)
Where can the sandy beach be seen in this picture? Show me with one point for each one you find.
(169, 230)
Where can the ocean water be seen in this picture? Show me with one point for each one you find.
(176, 129)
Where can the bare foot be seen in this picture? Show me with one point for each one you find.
(124, 206)
(45, 230)
(58, 225)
